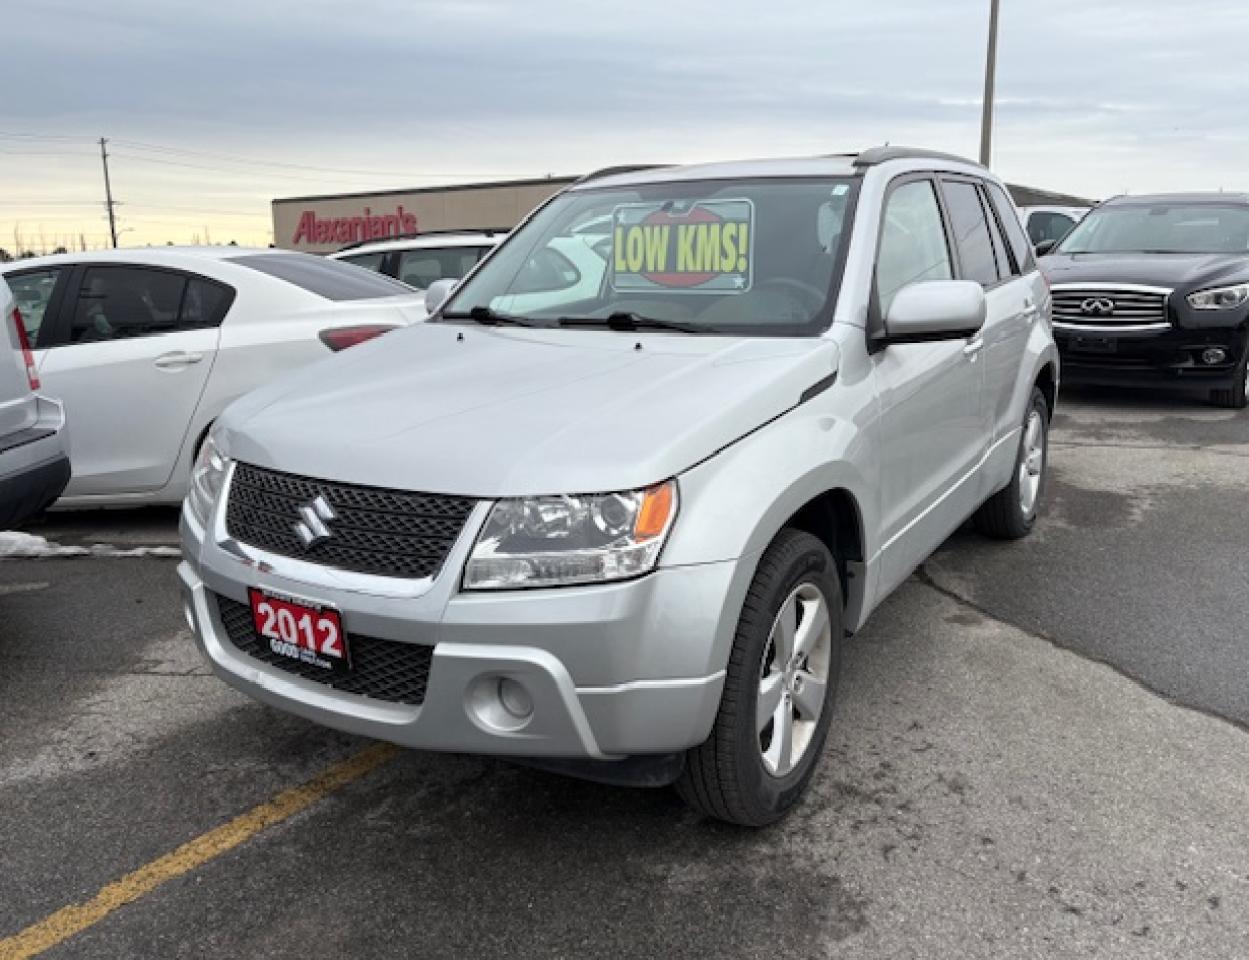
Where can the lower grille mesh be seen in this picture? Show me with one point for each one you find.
(381, 669)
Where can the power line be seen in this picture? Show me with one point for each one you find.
(145, 146)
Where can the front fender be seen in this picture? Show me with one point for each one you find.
(734, 504)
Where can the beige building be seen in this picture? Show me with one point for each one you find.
(328, 223)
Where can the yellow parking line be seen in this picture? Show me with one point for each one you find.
(68, 921)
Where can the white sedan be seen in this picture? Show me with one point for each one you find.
(146, 347)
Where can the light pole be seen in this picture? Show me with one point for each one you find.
(990, 70)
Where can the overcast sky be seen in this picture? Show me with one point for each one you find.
(215, 108)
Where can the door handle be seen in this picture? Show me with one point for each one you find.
(972, 348)
(177, 359)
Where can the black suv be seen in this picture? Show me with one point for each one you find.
(1155, 290)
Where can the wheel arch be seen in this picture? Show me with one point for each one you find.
(1047, 381)
(834, 517)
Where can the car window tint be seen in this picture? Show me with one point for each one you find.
(32, 290)
(1004, 266)
(420, 268)
(325, 278)
(370, 261)
(1015, 236)
(205, 303)
(117, 303)
(971, 233)
(913, 247)
(1047, 225)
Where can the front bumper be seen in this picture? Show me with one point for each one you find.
(1149, 357)
(612, 670)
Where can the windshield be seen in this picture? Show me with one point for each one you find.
(742, 257)
(1161, 228)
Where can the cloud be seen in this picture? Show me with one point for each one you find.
(1091, 97)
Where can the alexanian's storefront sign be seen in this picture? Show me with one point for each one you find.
(340, 230)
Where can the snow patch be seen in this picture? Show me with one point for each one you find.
(15, 544)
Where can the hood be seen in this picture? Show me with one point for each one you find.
(491, 412)
(1179, 271)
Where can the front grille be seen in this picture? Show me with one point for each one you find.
(1086, 306)
(381, 669)
(388, 533)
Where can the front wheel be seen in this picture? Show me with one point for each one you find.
(779, 689)
(1010, 513)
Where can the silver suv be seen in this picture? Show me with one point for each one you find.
(623, 528)
(34, 467)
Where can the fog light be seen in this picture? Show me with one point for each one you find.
(515, 698)
(499, 704)
(1213, 355)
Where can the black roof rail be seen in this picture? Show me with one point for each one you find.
(488, 231)
(875, 155)
(612, 171)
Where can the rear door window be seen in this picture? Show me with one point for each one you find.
(1020, 246)
(118, 303)
(971, 233)
(205, 304)
(325, 278)
(1005, 266)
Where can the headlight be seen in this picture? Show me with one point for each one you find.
(1220, 298)
(557, 541)
(207, 477)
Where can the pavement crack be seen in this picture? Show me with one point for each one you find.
(925, 577)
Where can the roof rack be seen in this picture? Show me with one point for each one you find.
(613, 171)
(488, 231)
(876, 155)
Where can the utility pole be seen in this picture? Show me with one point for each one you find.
(108, 193)
(990, 71)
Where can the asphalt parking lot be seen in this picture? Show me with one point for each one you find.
(1041, 749)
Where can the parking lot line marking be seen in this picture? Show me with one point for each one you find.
(71, 920)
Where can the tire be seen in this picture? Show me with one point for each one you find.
(1007, 515)
(1234, 397)
(729, 776)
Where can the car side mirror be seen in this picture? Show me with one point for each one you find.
(1045, 246)
(935, 310)
(438, 292)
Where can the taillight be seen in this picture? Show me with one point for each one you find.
(28, 358)
(340, 338)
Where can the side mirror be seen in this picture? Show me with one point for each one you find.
(936, 310)
(438, 292)
(1045, 246)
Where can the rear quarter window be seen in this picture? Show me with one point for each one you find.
(325, 278)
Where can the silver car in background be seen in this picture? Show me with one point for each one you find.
(622, 528)
(34, 467)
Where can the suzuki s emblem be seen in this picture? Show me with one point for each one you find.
(311, 528)
(1098, 307)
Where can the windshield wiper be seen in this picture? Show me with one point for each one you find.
(492, 318)
(625, 320)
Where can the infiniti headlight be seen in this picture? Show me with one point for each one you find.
(207, 477)
(1220, 298)
(562, 540)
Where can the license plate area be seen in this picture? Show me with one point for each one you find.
(301, 631)
(1094, 345)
